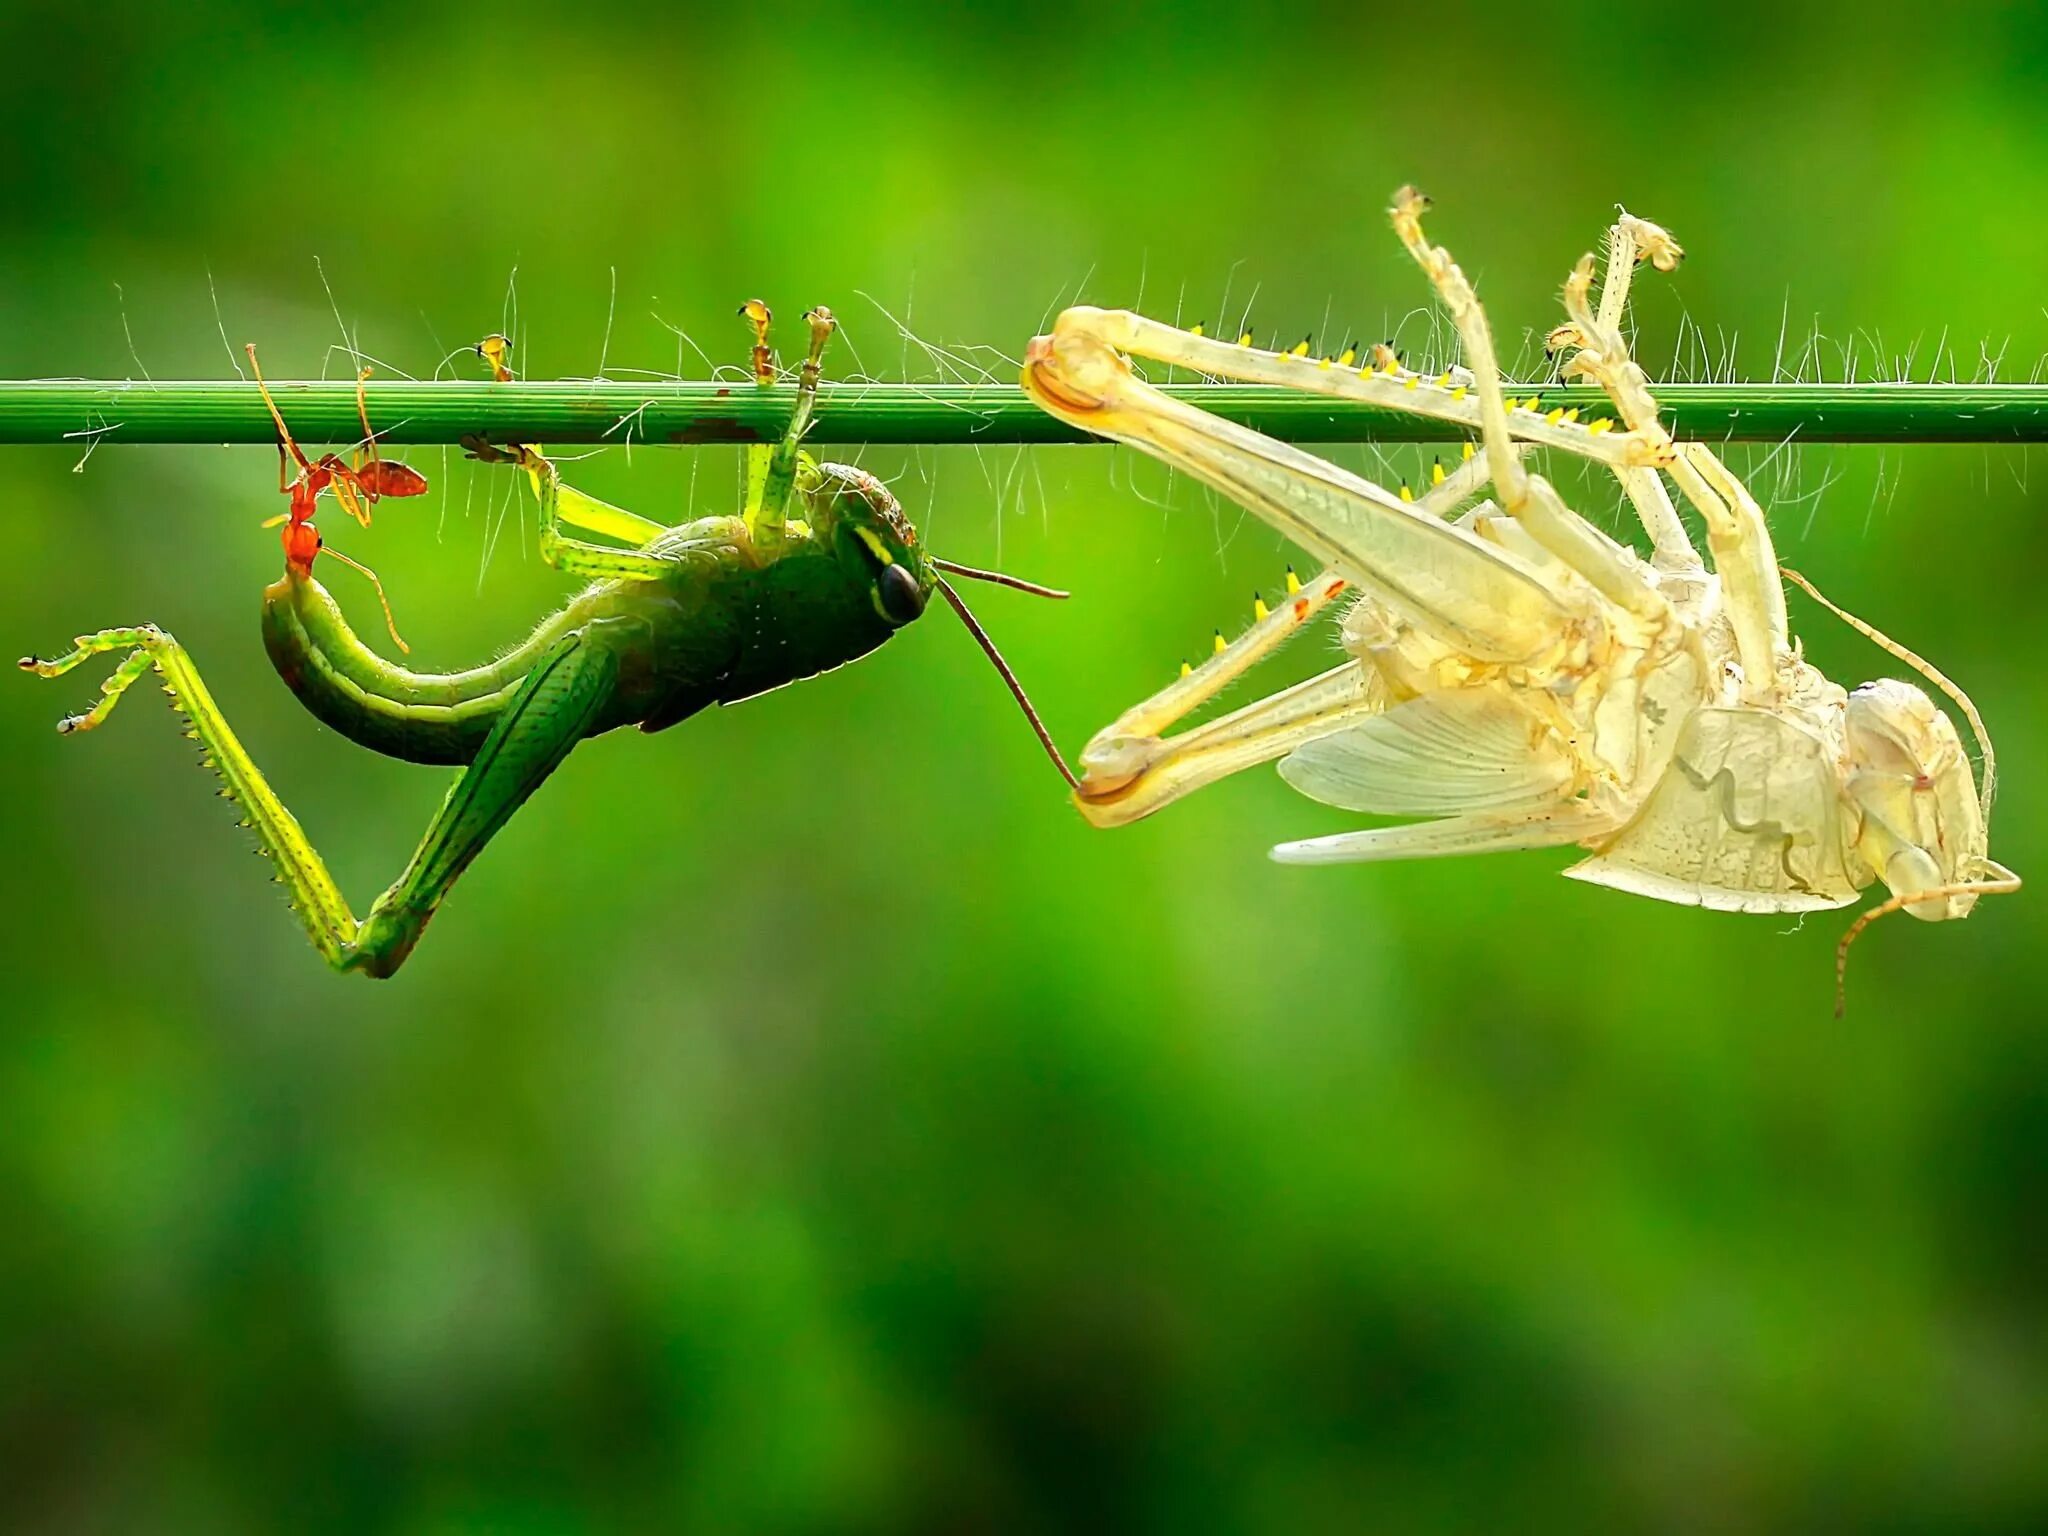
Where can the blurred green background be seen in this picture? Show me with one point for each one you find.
(802, 1121)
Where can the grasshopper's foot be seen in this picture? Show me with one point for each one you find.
(142, 641)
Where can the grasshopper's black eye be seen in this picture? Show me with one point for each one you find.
(902, 598)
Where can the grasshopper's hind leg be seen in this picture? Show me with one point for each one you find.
(308, 886)
(552, 710)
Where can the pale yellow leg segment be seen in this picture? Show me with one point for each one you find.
(1671, 549)
(1445, 397)
(1446, 837)
(1736, 531)
(1473, 596)
(1127, 778)
(1131, 769)
(1527, 497)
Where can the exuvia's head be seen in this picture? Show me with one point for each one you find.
(869, 535)
(1923, 822)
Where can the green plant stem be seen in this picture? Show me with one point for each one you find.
(79, 411)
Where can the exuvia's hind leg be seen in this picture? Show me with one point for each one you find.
(1131, 768)
(1443, 397)
(549, 715)
(1474, 596)
(1446, 837)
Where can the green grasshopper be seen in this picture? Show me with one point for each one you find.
(708, 612)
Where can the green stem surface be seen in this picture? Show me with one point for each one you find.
(79, 411)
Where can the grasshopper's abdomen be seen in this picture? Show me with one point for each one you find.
(419, 717)
(720, 627)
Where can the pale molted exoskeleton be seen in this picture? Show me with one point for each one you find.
(1517, 677)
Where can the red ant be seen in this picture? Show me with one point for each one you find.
(358, 484)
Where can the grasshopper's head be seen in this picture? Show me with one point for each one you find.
(1923, 823)
(855, 516)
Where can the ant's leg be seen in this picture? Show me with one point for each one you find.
(284, 435)
(374, 477)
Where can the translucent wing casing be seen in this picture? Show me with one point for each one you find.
(1447, 754)
(1747, 818)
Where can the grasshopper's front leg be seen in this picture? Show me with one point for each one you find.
(563, 504)
(772, 470)
(552, 710)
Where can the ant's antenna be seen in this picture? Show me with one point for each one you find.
(1927, 670)
(999, 578)
(389, 622)
(989, 646)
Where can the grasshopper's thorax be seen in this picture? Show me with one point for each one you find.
(829, 594)
(1915, 814)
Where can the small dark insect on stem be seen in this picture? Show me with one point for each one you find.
(988, 646)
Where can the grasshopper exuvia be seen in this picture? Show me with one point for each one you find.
(1516, 676)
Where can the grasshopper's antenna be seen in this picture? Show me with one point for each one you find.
(2003, 882)
(1927, 670)
(999, 578)
(989, 646)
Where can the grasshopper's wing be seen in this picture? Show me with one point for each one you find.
(1474, 750)
(1746, 819)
